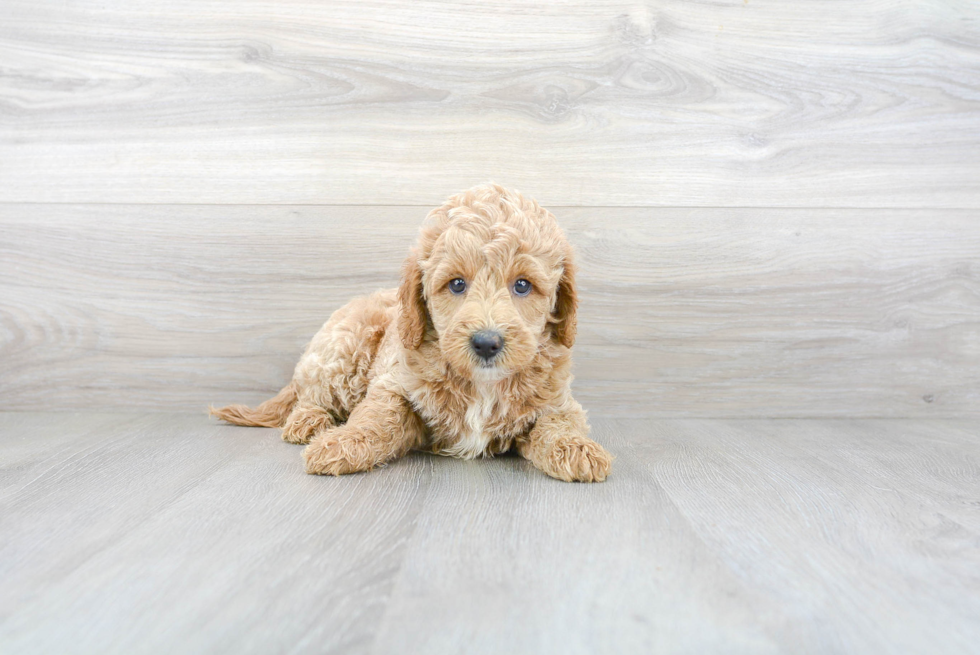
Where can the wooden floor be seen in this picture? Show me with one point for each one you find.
(127, 533)
(775, 208)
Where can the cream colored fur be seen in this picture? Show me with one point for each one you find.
(395, 371)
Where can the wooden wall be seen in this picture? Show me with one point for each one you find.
(776, 204)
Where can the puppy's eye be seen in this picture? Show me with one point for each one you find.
(457, 286)
(522, 287)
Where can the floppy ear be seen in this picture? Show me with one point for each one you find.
(411, 323)
(566, 306)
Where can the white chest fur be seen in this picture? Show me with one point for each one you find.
(474, 440)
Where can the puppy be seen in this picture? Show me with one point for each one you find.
(470, 356)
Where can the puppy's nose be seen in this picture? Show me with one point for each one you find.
(486, 343)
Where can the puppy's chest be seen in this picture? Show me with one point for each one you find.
(483, 423)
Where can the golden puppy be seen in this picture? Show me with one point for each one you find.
(470, 356)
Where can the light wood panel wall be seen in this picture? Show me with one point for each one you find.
(720, 312)
(187, 189)
(669, 103)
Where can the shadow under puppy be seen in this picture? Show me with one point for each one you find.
(470, 356)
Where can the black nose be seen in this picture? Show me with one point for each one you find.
(486, 343)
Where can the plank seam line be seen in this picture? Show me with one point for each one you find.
(546, 205)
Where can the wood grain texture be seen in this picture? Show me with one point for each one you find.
(675, 103)
(127, 542)
(133, 533)
(683, 312)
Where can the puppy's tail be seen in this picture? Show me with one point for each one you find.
(270, 414)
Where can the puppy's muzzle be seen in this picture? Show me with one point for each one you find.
(486, 344)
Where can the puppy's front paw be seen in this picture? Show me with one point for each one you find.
(578, 459)
(338, 452)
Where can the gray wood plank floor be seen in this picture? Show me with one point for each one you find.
(127, 533)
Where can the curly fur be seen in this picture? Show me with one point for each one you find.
(395, 371)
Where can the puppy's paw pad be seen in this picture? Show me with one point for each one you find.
(581, 460)
(338, 455)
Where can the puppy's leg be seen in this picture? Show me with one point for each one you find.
(304, 421)
(558, 445)
(333, 375)
(381, 428)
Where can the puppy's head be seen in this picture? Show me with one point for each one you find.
(491, 280)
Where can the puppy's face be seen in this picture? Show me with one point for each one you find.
(495, 280)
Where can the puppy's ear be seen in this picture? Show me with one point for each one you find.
(411, 323)
(566, 306)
